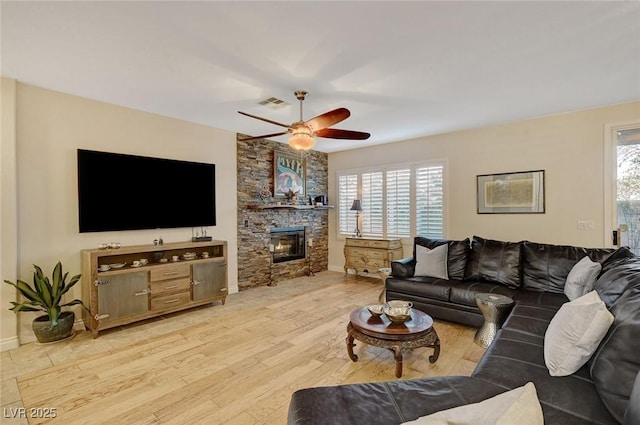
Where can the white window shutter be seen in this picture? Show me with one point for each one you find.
(372, 204)
(399, 202)
(430, 201)
(347, 192)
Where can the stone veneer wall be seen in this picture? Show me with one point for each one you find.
(255, 170)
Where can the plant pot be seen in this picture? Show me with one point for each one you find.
(46, 333)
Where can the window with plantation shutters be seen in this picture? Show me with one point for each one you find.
(430, 201)
(372, 204)
(397, 201)
(347, 192)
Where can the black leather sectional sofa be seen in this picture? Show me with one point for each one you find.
(533, 274)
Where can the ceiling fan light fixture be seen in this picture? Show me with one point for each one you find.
(301, 139)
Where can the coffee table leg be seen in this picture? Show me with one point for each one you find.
(397, 354)
(350, 345)
(436, 351)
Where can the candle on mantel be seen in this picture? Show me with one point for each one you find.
(310, 241)
(271, 247)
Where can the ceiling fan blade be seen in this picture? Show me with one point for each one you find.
(327, 119)
(264, 136)
(335, 133)
(264, 119)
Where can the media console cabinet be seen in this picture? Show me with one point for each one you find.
(127, 293)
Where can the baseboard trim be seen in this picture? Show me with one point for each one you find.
(11, 343)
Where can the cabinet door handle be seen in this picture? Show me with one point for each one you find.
(101, 316)
(197, 282)
(171, 287)
(144, 292)
(169, 273)
(172, 301)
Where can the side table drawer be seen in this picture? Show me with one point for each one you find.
(366, 253)
(170, 301)
(360, 263)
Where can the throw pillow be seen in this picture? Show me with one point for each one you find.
(519, 406)
(574, 334)
(581, 278)
(432, 262)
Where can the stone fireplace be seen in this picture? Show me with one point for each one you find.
(287, 243)
(257, 266)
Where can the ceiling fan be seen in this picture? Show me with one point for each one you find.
(302, 132)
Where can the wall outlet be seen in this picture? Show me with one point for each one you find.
(585, 224)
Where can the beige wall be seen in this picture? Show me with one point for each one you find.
(51, 126)
(569, 147)
(8, 213)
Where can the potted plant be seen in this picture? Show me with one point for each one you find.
(46, 295)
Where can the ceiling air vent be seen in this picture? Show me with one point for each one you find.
(273, 103)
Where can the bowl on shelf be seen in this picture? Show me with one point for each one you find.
(397, 314)
(375, 309)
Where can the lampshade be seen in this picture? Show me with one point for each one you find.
(301, 140)
(356, 206)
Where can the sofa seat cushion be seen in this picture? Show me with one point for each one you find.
(465, 292)
(515, 358)
(494, 261)
(385, 403)
(421, 286)
(547, 300)
(530, 321)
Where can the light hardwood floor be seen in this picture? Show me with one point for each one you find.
(231, 364)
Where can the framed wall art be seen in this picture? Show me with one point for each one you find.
(511, 193)
(289, 172)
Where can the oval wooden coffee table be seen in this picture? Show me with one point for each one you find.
(379, 331)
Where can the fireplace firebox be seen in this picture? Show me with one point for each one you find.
(287, 243)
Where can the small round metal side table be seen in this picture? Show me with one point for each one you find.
(494, 309)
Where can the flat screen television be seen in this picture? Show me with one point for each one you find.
(129, 192)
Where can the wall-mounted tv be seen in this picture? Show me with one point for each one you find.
(129, 192)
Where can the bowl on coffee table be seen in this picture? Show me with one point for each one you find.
(398, 311)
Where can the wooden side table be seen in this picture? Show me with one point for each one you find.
(494, 309)
(370, 254)
(379, 331)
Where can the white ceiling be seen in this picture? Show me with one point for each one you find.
(404, 69)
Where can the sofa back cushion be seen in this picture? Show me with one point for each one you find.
(494, 261)
(457, 253)
(616, 363)
(545, 267)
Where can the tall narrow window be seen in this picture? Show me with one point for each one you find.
(430, 201)
(347, 192)
(372, 204)
(399, 202)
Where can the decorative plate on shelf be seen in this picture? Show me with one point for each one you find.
(117, 265)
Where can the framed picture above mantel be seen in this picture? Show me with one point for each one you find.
(511, 193)
(289, 173)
